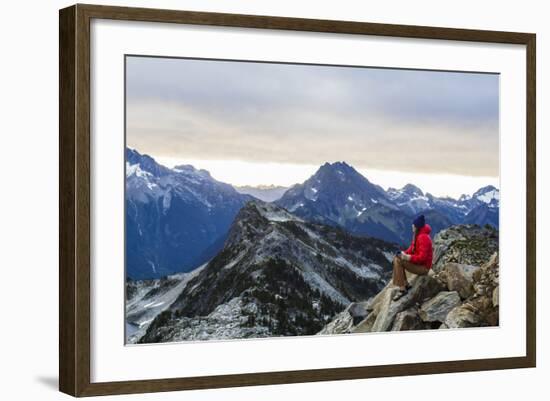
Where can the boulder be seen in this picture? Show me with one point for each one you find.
(483, 307)
(459, 277)
(458, 295)
(408, 320)
(487, 277)
(342, 323)
(358, 311)
(486, 297)
(462, 316)
(495, 297)
(365, 326)
(346, 320)
(385, 309)
(437, 308)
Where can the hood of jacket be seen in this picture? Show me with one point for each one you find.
(426, 229)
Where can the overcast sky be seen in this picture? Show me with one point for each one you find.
(266, 123)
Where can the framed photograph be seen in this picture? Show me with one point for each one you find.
(250, 200)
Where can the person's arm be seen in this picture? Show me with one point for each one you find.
(422, 246)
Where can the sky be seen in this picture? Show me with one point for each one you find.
(252, 123)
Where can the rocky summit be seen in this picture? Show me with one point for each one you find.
(461, 292)
(465, 244)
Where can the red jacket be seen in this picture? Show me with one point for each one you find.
(422, 253)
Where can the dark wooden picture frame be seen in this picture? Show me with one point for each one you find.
(74, 199)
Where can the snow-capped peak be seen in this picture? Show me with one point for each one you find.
(191, 170)
(135, 169)
(489, 196)
(412, 190)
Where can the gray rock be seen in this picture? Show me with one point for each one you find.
(459, 295)
(437, 308)
(385, 309)
(408, 320)
(495, 297)
(459, 277)
(365, 326)
(462, 316)
(357, 310)
(466, 244)
(346, 320)
(342, 323)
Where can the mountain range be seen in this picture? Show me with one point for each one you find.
(337, 194)
(178, 218)
(276, 275)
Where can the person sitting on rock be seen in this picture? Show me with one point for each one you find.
(417, 259)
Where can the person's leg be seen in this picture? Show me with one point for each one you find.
(399, 279)
(419, 270)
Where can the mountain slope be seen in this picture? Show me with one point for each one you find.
(145, 299)
(176, 219)
(276, 275)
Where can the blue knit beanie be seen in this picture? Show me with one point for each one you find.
(419, 221)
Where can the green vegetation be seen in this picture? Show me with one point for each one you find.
(286, 300)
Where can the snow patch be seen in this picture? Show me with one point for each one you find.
(316, 281)
(153, 266)
(166, 201)
(361, 271)
(488, 196)
(135, 169)
(236, 260)
(296, 206)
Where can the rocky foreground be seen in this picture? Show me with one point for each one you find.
(461, 290)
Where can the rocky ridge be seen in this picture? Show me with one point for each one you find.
(277, 275)
(461, 291)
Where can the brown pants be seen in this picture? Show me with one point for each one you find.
(399, 267)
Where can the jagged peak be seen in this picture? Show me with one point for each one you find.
(487, 194)
(145, 162)
(412, 189)
(339, 171)
(485, 189)
(337, 166)
(490, 190)
(191, 170)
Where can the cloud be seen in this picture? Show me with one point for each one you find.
(411, 121)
